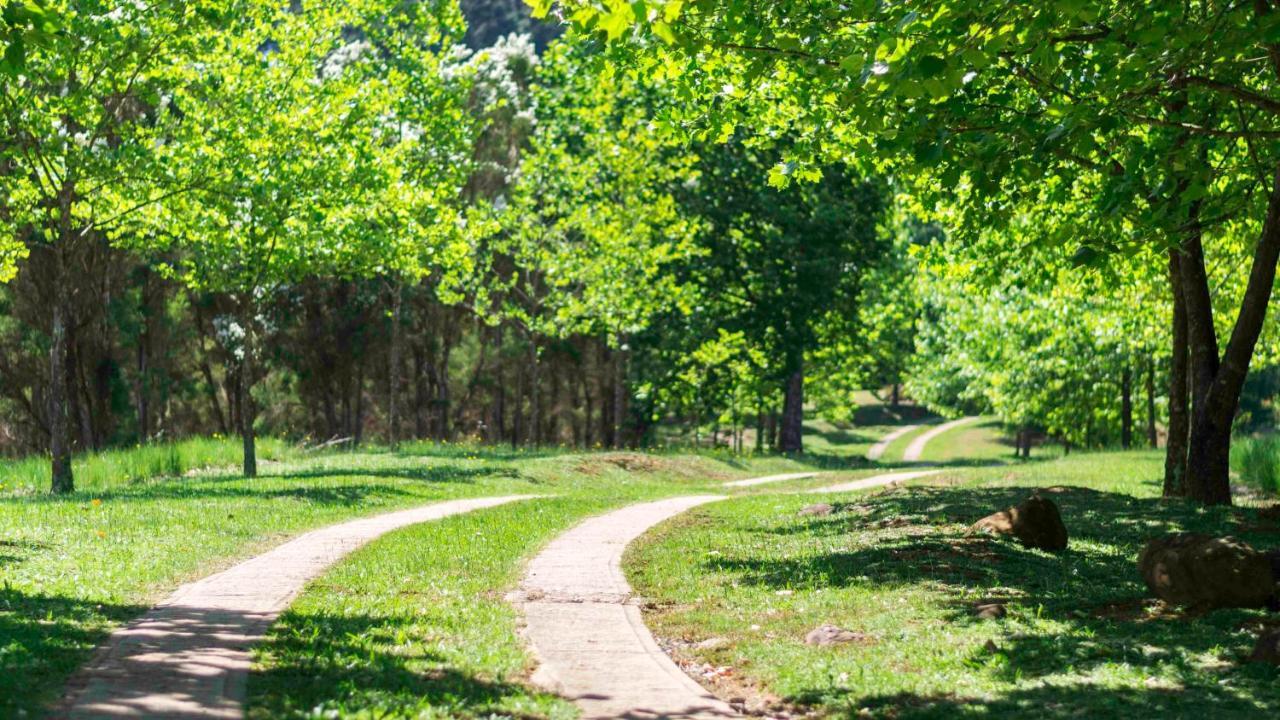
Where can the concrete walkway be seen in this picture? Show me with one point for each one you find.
(588, 635)
(874, 481)
(750, 482)
(189, 656)
(916, 448)
(878, 449)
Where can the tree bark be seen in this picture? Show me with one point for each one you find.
(1216, 383)
(63, 481)
(247, 409)
(1152, 437)
(393, 369)
(619, 394)
(1126, 406)
(1175, 455)
(791, 434)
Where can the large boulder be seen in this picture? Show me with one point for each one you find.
(1202, 571)
(1267, 649)
(1035, 522)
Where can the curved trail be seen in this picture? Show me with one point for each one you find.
(874, 481)
(589, 637)
(750, 482)
(189, 656)
(916, 448)
(878, 449)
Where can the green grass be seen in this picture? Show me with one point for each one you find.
(983, 440)
(1256, 460)
(73, 568)
(112, 468)
(1082, 639)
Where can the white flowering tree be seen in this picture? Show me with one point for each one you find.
(78, 129)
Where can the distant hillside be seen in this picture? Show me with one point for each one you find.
(488, 20)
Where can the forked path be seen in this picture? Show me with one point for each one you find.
(189, 657)
(588, 635)
(878, 449)
(916, 448)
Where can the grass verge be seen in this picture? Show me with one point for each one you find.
(1081, 638)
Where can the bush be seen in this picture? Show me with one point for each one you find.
(1257, 461)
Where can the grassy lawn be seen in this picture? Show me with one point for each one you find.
(73, 568)
(983, 440)
(1081, 638)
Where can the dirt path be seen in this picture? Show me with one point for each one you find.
(874, 481)
(916, 449)
(189, 656)
(750, 482)
(587, 632)
(878, 449)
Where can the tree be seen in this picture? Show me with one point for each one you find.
(80, 120)
(309, 136)
(776, 264)
(1161, 114)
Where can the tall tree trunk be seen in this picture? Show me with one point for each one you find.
(619, 394)
(1175, 454)
(1216, 383)
(535, 395)
(896, 396)
(393, 369)
(791, 434)
(1126, 406)
(247, 409)
(1152, 436)
(59, 423)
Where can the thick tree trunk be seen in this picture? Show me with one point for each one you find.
(1216, 383)
(1175, 457)
(247, 409)
(895, 396)
(791, 434)
(535, 395)
(1126, 406)
(393, 369)
(59, 423)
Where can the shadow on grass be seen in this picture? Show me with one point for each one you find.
(44, 638)
(330, 665)
(1091, 593)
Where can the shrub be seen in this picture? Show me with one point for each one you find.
(1257, 461)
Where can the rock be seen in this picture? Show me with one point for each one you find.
(824, 635)
(1196, 570)
(1035, 522)
(991, 647)
(816, 510)
(990, 611)
(714, 643)
(1267, 649)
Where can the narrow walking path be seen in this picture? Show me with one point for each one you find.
(874, 481)
(751, 482)
(878, 449)
(588, 635)
(189, 656)
(916, 448)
